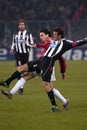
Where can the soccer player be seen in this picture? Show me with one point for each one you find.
(46, 63)
(46, 38)
(21, 47)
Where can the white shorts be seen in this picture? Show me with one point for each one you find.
(53, 77)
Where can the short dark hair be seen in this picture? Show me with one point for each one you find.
(46, 31)
(21, 20)
(60, 31)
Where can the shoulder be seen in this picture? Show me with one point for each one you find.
(28, 32)
(15, 34)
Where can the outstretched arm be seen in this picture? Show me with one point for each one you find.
(79, 42)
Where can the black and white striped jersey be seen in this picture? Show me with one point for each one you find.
(21, 41)
(57, 48)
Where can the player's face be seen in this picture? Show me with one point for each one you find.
(56, 36)
(21, 26)
(43, 36)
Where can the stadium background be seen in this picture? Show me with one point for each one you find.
(72, 16)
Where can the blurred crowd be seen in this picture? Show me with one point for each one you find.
(43, 9)
(38, 11)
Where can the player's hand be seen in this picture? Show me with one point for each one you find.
(63, 75)
(33, 45)
(12, 52)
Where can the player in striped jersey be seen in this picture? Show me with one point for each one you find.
(21, 47)
(46, 38)
(21, 44)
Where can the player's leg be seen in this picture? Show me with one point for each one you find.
(61, 98)
(33, 67)
(50, 95)
(46, 76)
(56, 91)
(21, 62)
(19, 84)
(7, 82)
(10, 93)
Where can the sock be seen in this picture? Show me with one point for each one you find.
(59, 96)
(20, 83)
(51, 97)
(21, 87)
(19, 79)
(15, 75)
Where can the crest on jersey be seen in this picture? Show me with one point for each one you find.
(53, 44)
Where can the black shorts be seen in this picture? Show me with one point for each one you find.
(33, 66)
(21, 58)
(46, 65)
(43, 66)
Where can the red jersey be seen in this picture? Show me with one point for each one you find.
(44, 47)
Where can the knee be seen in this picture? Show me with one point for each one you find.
(47, 86)
(20, 69)
(28, 76)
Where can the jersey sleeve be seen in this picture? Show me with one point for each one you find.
(72, 44)
(31, 39)
(62, 64)
(81, 42)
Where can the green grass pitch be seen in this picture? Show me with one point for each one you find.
(31, 111)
